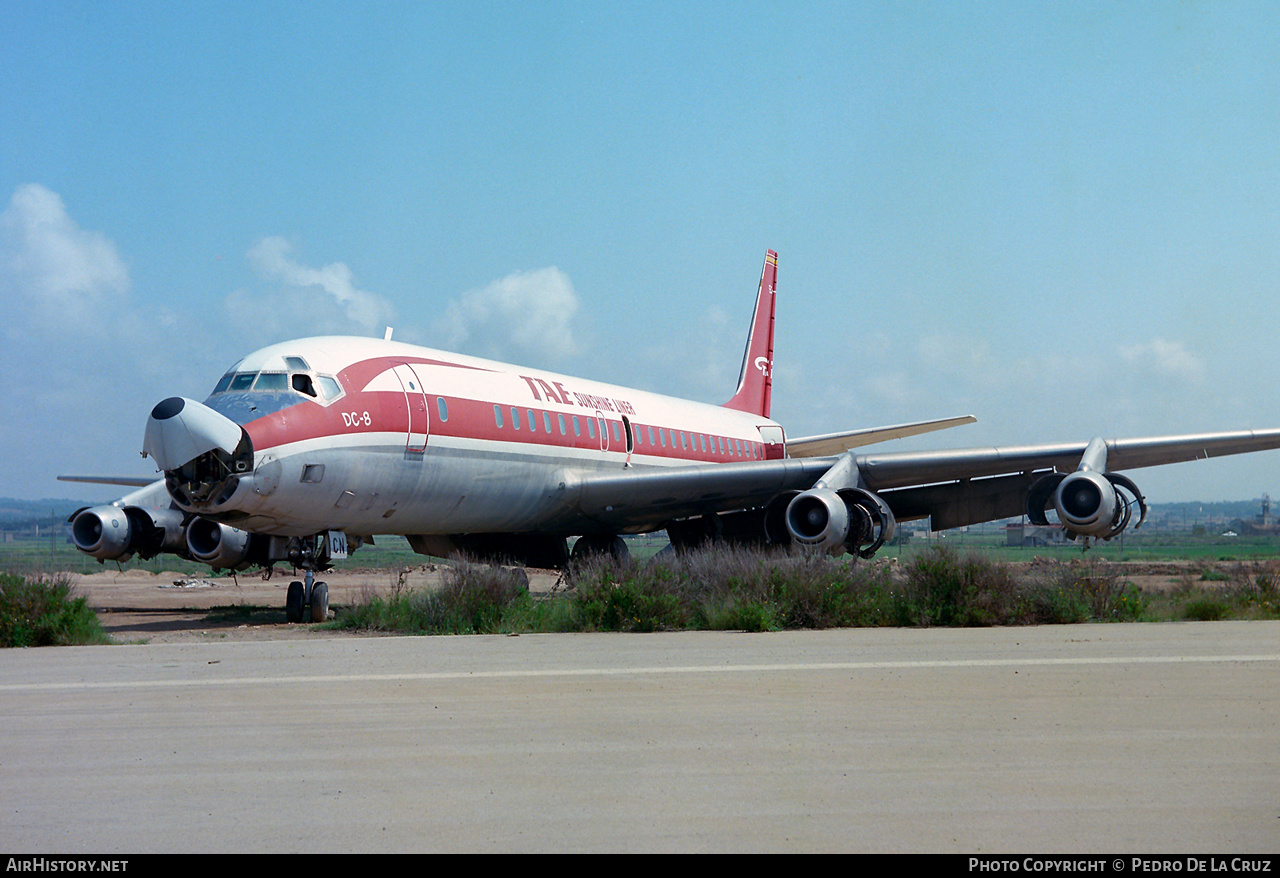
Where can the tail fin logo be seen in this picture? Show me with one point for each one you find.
(763, 365)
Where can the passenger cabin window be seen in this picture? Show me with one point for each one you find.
(442, 408)
(497, 416)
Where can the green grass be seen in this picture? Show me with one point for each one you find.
(732, 589)
(472, 599)
(44, 611)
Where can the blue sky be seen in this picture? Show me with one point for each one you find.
(1062, 218)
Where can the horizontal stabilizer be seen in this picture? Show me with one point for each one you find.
(838, 443)
(127, 481)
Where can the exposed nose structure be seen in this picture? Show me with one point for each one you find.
(180, 430)
(203, 453)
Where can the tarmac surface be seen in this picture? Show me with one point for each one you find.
(1109, 739)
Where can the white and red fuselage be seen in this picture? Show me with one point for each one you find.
(402, 439)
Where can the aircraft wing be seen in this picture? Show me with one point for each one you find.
(952, 487)
(899, 469)
(635, 500)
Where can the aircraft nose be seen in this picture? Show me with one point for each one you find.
(179, 430)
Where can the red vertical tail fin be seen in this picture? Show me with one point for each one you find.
(755, 381)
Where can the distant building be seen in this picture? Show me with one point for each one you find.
(1023, 534)
(1263, 524)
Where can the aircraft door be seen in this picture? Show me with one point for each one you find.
(775, 442)
(603, 426)
(415, 400)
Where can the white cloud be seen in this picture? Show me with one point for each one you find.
(75, 354)
(58, 269)
(1165, 359)
(272, 257)
(529, 311)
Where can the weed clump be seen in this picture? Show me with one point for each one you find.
(1095, 591)
(728, 588)
(44, 611)
(943, 587)
(1206, 608)
(472, 599)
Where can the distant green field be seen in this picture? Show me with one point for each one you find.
(1154, 546)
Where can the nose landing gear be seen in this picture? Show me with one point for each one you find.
(305, 595)
(308, 597)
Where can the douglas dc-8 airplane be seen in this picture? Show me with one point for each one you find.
(308, 448)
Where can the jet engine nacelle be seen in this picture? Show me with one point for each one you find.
(1088, 503)
(219, 545)
(116, 533)
(818, 519)
(852, 519)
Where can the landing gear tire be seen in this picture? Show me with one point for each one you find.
(593, 549)
(320, 602)
(592, 546)
(294, 602)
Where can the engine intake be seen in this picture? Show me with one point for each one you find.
(1088, 503)
(851, 519)
(116, 533)
(218, 545)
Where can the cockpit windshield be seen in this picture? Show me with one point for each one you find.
(306, 383)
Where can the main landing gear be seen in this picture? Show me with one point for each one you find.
(304, 596)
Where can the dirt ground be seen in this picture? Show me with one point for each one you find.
(141, 607)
